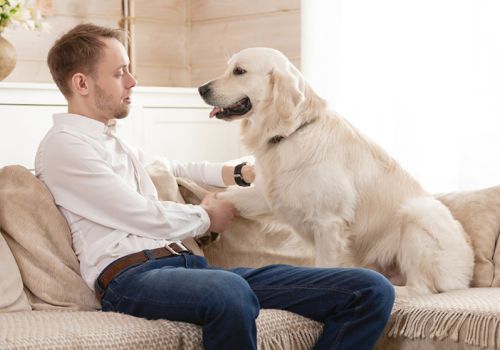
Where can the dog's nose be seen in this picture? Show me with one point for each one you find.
(204, 90)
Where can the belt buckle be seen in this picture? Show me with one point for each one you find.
(170, 249)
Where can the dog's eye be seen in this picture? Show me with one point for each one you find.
(239, 71)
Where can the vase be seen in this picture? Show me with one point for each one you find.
(7, 57)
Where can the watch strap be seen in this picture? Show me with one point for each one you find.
(238, 177)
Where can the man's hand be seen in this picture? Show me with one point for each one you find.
(220, 212)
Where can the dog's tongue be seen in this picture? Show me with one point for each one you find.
(214, 111)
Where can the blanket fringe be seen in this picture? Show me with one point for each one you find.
(475, 329)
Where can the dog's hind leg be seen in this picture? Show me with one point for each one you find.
(434, 254)
(416, 259)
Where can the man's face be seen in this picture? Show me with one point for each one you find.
(111, 85)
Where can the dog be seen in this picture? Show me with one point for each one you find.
(331, 183)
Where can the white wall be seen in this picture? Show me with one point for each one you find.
(171, 122)
(422, 78)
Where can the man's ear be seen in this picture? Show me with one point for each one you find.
(286, 93)
(79, 84)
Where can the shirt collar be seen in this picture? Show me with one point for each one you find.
(85, 125)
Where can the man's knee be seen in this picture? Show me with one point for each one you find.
(377, 289)
(230, 293)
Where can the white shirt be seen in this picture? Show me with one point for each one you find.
(101, 186)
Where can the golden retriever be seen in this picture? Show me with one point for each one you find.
(318, 173)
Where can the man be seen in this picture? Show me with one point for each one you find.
(128, 242)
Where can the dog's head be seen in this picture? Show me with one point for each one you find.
(255, 79)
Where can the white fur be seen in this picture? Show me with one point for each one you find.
(333, 184)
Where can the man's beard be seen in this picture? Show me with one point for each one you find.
(104, 103)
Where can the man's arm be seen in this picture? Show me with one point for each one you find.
(209, 173)
(84, 183)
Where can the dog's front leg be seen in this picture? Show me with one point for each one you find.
(249, 202)
(332, 244)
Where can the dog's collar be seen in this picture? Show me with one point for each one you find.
(278, 138)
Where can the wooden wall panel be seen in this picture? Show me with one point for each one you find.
(88, 9)
(161, 43)
(213, 42)
(224, 9)
(178, 42)
(32, 47)
(163, 76)
(169, 11)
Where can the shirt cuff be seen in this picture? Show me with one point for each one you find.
(204, 218)
(213, 174)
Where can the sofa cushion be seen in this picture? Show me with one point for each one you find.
(39, 238)
(12, 294)
(39, 330)
(479, 213)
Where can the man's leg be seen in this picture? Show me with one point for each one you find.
(182, 289)
(353, 304)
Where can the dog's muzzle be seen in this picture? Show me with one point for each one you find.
(237, 109)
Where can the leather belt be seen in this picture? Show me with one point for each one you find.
(117, 266)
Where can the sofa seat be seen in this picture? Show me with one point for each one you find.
(466, 319)
(39, 330)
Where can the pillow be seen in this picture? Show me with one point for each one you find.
(11, 285)
(40, 240)
(479, 213)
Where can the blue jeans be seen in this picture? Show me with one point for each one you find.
(353, 304)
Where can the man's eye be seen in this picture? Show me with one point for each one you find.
(239, 71)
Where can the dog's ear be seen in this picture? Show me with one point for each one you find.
(287, 92)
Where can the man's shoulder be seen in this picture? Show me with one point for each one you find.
(60, 143)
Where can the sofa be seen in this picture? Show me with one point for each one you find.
(44, 303)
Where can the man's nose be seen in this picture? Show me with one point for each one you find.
(134, 81)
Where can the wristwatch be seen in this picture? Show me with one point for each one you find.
(238, 178)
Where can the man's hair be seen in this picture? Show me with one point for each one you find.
(78, 50)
